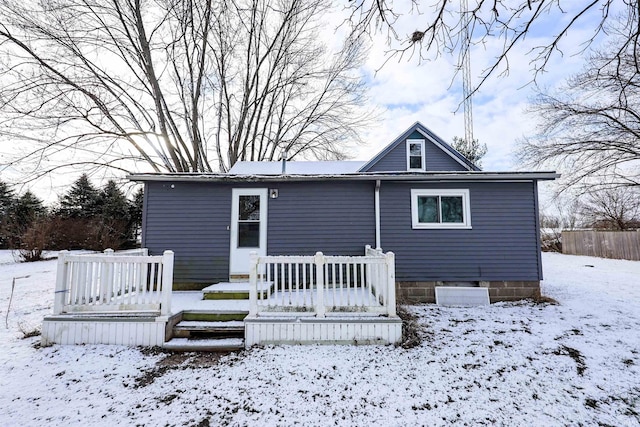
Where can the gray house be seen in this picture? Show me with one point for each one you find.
(447, 222)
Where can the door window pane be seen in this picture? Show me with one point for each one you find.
(249, 208)
(428, 210)
(451, 209)
(248, 234)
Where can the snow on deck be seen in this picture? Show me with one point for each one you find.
(192, 301)
(235, 287)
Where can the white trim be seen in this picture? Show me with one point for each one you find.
(449, 153)
(240, 264)
(440, 176)
(421, 142)
(466, 209)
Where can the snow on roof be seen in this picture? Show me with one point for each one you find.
(296, 168)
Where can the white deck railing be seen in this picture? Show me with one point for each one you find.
(131, 282)
(323, 284)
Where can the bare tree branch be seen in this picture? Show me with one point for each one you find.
(590, 127)
(508, 21)
(175, 85)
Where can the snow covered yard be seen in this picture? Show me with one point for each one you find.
(576, 363)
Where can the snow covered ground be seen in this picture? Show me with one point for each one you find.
(516, 364)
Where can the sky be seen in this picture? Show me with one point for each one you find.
(405, 91)
(429, 93)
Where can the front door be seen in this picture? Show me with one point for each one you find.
(248, 228)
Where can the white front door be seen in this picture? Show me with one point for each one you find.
(248, 227)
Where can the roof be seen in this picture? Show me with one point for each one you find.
(296, 168)
(360, 176)
(247, 171)
(428, 134)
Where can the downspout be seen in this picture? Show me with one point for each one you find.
(377, 209)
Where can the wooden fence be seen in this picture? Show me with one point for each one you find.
(603, 244)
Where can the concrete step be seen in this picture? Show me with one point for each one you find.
(213, 345)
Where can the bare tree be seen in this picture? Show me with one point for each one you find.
(562, 214)
(590, 127)
(612, 208)
(181, 86)
(444, 24)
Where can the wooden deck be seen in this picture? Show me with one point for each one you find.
(342, 300)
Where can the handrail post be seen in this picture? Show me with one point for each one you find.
(391, 283)
(320, 262)
(253, 284)
(61, 282)
(108, 251)
(167, 282)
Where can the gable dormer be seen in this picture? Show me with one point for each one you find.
(418, 150)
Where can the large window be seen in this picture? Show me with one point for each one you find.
(440, 209)
(415, 155)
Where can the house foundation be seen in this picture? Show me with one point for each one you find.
(424, 292)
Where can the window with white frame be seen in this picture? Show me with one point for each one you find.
(415, 155)
(440, 209)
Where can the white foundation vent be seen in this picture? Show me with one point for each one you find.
(458, 295)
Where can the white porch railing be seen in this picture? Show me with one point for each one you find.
(131, 282)
(323, 284)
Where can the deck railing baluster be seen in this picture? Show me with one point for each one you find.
(107, 283)
(326, 283)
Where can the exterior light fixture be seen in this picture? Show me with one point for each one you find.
(273, 193)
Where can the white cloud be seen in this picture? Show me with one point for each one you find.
(426, 93)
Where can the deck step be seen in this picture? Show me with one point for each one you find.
(231, 290)
(202, 329)
(213, 345)
(233, 325)
(214, 315)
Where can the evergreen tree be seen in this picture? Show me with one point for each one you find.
(82, 200)
(25, 211)
(473, 152)
(113, 204)
(135, 214)
(7, 200)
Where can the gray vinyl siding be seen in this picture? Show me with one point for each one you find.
(438, 160)
(502, 244)
(396, 159)
(336, 218)
(190, 219)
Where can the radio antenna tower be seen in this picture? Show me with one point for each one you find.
(465, 20)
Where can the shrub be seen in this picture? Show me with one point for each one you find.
(35, 240)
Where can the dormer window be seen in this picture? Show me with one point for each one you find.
(415, 155)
